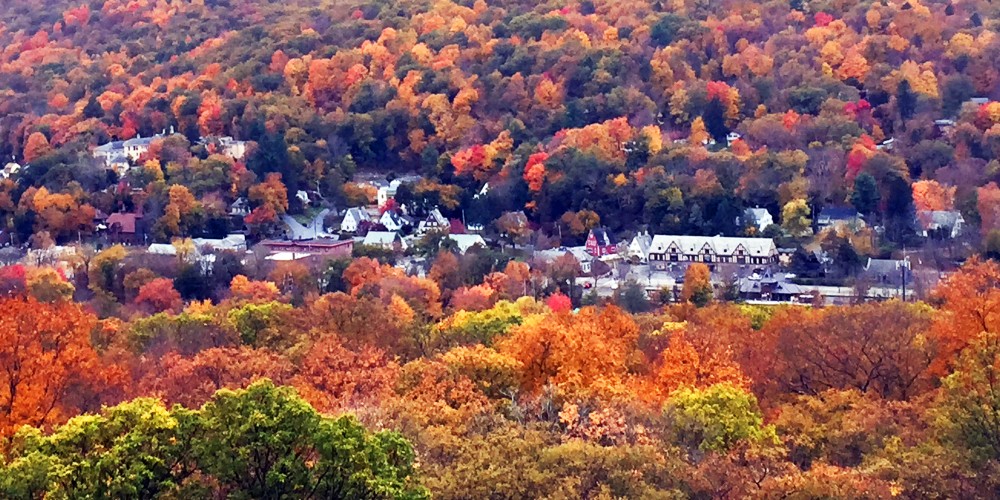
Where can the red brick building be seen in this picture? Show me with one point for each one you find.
(324, 247)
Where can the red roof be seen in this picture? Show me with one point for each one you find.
(125, 220)
(456, 227)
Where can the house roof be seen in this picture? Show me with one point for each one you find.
(933, 219)
(396, 218)
(602, 236)
(127, 221)
(455, 226)
(381, 238)
(110, 147)
(641, 243)
(887, 268)
(467, 241)
(359, 214)
(579, 253)
(436, 217)
(758, 214)
(287, 256)
(518, 216)
(313, 243)
(777, 285)
(162, 249)
(138, 142)
(720, 245)
(838, 213)
(230, 242)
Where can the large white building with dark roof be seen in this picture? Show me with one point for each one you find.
(711, 249)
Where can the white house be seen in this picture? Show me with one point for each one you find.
(232, 148)
(433, 221)
(581, 255)
(394, 221)
(386, 193)
(638, 248)
(134, 148)
(353, 218)
(239, 208)
(761, 218)
(303, 197)
(388, 240)
(466, 241)
(946, 223)
(731, 138)
(10, 170)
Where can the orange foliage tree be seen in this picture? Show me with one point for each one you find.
(48, 369)
(191, 381)
(970, 305)
(584, 353)
(159, 295)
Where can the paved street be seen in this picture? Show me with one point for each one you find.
(297, 231)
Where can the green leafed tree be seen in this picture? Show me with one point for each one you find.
(866, 196)
(716, 419)
(260, 442)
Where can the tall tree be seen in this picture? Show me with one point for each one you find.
(866, 196)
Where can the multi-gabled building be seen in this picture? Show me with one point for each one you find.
(393, 220)
(665, 250)
(353, 219)
(638, 248)
(600, 244)
(433, 222)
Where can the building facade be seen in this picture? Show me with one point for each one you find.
(665, 250)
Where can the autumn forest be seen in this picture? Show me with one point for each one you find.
(179, 320)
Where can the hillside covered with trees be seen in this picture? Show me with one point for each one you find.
(480, 372)
(570, 109)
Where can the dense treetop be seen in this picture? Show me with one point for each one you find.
(562, 106)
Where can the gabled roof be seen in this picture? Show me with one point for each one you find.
(885, 266)
(110, 147)
(359, 214)
(888, 270)
(578, 253)
(777, 285)
(641, 242)
(602, 237)
(467, 241)
(519, 217)
(138, 142)
(933, 219)
(758, 213)
(381, 238)
(435, 217)
(719, 245)
(394, 217)
(127, 221)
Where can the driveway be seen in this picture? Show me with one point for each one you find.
(297, 231)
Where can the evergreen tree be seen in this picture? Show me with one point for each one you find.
(865, 197)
